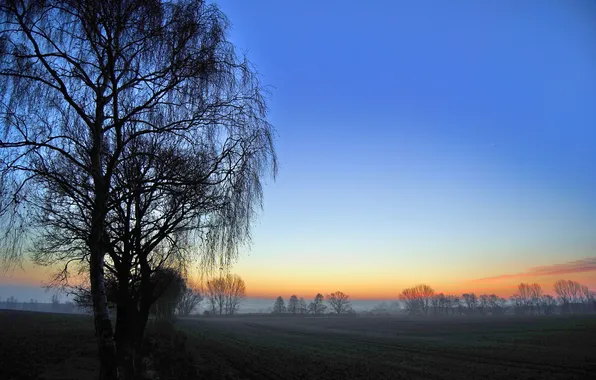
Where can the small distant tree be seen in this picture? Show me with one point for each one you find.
(302, 307)
(293, 307)
(527, 298)
(569, 294)
(412, 301)
(215, 293)
(225, 293)
(339, 302)
(471, 302)
(317, 306)
(496, 304)
(32, 304)
(455, 304)
(440, 304)
(435, 304)
(11, 302)
(535, 297)
(189, 300)
(279, 306)
(548, 304)
(484, 304)
(417, 300)
(426, 292)
(236, 291)
(55, 302)
(590, 300)
(517, 303)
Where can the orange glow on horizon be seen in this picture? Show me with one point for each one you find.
(377, 291)
(361, 286)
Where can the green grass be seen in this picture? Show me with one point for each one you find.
(55, 346)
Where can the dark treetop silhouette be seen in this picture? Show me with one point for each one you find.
(339, 302)
(132, 132)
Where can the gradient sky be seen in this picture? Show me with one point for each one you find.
(450, 143)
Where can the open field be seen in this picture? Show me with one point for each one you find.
(46, 345)
(393, 348)
(55, 346)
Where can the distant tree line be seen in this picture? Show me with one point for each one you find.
(54, 306)
(571, 297)
(337, 303)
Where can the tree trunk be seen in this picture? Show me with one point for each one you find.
(141, 324)
(125, 349)
(97, 247)
(141, 319)
(126, 319)
(145, 301)
(103, 324)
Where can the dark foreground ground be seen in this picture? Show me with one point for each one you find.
(54, 346)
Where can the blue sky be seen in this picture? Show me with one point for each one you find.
(422, 141)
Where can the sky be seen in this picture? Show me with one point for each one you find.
(447, 143)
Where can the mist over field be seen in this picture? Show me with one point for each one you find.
(25, 293)
(264, 305)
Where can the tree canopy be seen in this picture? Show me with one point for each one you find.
(132, 133)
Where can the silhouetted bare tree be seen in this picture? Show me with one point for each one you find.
(302, 307)
(548, 304)
(572, 295)
(412, 301)
(471, 303)
(483, 304)
(11, 302)
(590, 299)
(279, 306)
(438, 304)
(55, 302)
(215, 294)
(417, 300)
(527, 299)
(496, 304)
(339, 302)
(189, 300)
(225, 293)
(235, 294)
(517, 303)
(32, 304)
(108, 109)
(317, 306)
(293, 305)
(455, 304)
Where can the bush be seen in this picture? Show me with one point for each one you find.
(168, 353)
